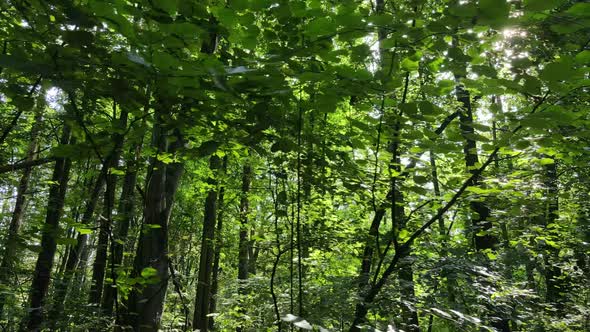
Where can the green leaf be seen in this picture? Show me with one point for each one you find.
(583, 57)
(283, 145)
(546, 161)
(556, 71)
(566, 28)
(579, 9)
(532, 85)
(491, 256)
(168, 6)
(465, 10)
(409, 108)
(164, 60)
(494, 10)
(403, 234)
(84, 231)
(149, 272)
(485, 71)
(115, 171)
(320, 26)
(409, 64)
(427, 108)
(540, 5)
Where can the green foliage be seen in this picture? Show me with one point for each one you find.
(345, 111)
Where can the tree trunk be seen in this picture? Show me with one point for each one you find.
(105, 221)
(480, 212)
(9, 258)
(145, 305)
(77, 251)
(409, 315)
(81, 245)
(42, 274)
(244, 244)
(200, 319)
(372, 239)
(125, 214)
(554, 283)
(218, 245)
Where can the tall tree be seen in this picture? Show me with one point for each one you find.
(12, 239)
(203, 295)
(44, 265)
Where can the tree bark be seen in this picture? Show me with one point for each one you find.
(75, 256)
(125, 214)
(554, 283)
(244, 242)
(480, 211)
(105, 222)
(145, 305)
(200, 319)
(44, 264)
(218, 246)
(76, 252)
(409, 315)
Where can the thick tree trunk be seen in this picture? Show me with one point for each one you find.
(145, 305)
(11, 245)
(200, 319)
(42, 274)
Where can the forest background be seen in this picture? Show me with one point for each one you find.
(274, 165)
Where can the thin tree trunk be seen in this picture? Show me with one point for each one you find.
(244, 242)
(100, 260)
(200, 319)
(81, 248)
(77, 251)
(372, 239)
(125, 215)
(480, 212)
(409, 315)
(11, 246)
(218, 246)
(105, 222)
(554, 283)
(42, 273)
